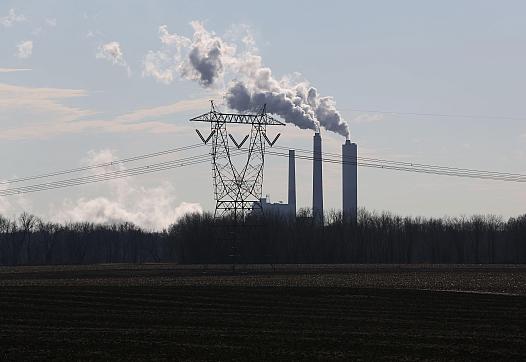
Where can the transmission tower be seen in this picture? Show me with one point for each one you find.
(237, 189)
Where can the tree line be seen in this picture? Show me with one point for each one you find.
(28, 240)
(201, 238)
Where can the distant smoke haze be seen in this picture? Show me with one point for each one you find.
(12, 18)
(152, 208)
(13, 70)
(237, 67)
(10, 206)
(24, 49)
(203, 58)
(112, 52)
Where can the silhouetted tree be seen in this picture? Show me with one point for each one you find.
(201, 238)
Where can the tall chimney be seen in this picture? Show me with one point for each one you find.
(317, 181)
(350, 181)
(292, 183)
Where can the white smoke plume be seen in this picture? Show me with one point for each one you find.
(202, 58)
(13, 70)
(24, 50)
(52, 22)
(211, 60)
(112, 52)
(4, 202)
(151, 208)
(12, 205)
(12, 18)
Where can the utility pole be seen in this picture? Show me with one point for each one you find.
(237, 191)
(237, 185)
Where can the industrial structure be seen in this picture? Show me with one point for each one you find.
(349, 185)
(237, 190)
(292, 183)
(317, 180)
(279, 208)
(349, 181)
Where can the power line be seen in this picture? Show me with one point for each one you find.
(197, 159)
(104, 176)
(442, 115)
(420, 170)
(141, 170)
(92, 167)
(407, 166)
(384, 162)
(408, 169)
(421, 165)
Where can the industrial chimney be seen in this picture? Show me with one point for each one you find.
(317, 181)
(292, 183)
(350, 181)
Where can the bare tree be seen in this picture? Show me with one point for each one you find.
(27, 223)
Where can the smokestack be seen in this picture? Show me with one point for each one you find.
(350, 181)
(292, 183)
(317, 181)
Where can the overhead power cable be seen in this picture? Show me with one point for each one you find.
(101, 165)
(442, 115)
(141, 170)
(161, 166)
(419, 165)
(359, 163)
(192, 160)
(406, 164)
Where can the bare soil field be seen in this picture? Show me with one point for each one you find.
(283, 312)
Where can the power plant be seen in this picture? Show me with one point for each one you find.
(292, 183)
(349, 184)
(349, 181)
(279, 208)
(317, 180)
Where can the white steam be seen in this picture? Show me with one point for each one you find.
(203, 58)
(152, 208)
(210, 60)
(12, 18)
(5, 205)
(112, 52)
(24, 49)
(12, 205)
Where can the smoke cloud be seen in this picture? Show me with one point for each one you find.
(24, 50)
(4, 203)
(52, 22)
(153, 208)
(10, 206)
(13, 70)
(12, 18)
(112, 52)
(202, 58)
(295, 100)
(248, 84)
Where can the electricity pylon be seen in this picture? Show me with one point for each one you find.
(237, 190)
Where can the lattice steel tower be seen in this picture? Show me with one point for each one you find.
(237, 190)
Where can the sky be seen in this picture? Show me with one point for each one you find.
(89, 82)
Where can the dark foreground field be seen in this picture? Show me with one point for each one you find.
(167, 312)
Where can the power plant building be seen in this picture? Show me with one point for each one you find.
(280, 208)
(275, 209)
(349, 185)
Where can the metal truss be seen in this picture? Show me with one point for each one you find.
(237, 190)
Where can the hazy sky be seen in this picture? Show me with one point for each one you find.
(84, 82)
